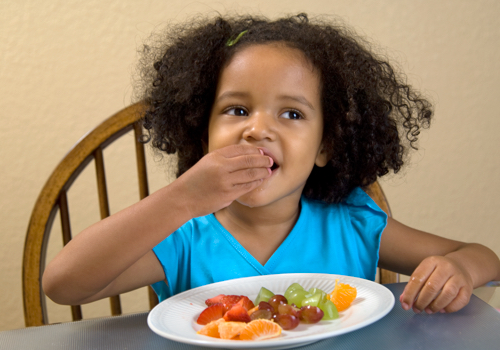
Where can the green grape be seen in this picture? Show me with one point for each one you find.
(264, 295)
(314, 299)
(292, 288)
(317, 290)
(296, 297)
(329, 309)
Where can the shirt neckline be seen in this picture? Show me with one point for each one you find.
(276, 257)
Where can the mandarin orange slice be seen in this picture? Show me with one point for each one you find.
(252, 310)
(230, 330)
(211, 329)
(260, 329)
(342, 295)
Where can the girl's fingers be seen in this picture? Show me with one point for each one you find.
(448, 293)
(430, 290)
(416, 283)
(437, 284)
(454, 296)
(248, 186)
(460, 300)
(238, 150)
(249, 161)
(241, 177)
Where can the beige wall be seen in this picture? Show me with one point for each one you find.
(65, 65)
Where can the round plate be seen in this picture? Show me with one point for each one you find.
(175, 318)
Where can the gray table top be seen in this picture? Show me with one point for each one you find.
(477, 326)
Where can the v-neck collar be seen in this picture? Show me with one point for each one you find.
(277, 256)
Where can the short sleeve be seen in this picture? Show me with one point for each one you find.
(173, 255)
(368, 220)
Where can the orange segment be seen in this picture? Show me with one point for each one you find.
(252, 310)
(260, 329)
(229, 330)
(211, 329)
(342, 295)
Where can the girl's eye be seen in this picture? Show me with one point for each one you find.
(237, 111)
(292, 115)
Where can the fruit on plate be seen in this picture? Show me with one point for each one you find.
(310, 314)
(342, 295)
(211, 313)
(211, 329)
(254, 330)
(230, 330)
(260, 330)
(237, 317)
(264, 295)
(237, 313)
(227, 300)
(329, 309)
(246, 303)
(230, 307)
(299, 297)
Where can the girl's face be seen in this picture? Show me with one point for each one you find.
(268, 96)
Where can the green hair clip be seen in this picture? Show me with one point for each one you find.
(231, 42)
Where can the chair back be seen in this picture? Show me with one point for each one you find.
(53, 198)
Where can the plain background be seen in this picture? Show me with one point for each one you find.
(67, 65)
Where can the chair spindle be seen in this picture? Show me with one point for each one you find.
(142, 176)
(76, 310)
(116, 308)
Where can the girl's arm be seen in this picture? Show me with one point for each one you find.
(443, 272)
(115, 256)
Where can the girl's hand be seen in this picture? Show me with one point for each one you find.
(222, 176)
(438, 284)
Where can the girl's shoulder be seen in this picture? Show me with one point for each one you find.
(358, 211)
(357, 198)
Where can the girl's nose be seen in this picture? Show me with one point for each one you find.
(260, 126)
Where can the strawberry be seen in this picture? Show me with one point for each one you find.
(246, 303)
(211, 313)
(229, 300)
(214, 300)
(237, 314)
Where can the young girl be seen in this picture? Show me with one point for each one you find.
(278, 126)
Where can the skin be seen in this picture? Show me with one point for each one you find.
(265, 111)
(273, 104)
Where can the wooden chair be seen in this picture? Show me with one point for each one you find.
(53, 198)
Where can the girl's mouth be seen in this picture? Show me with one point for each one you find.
(269, 154)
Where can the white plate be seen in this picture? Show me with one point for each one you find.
(175, 318)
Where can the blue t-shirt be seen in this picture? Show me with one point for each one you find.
(327, 238)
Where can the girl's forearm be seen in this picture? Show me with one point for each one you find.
(103, 251)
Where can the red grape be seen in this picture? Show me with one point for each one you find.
(287, 321)
(285, 309)
(265, 306)
(261, 314)
(276, 300)
(310, 314)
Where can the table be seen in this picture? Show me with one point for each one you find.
(477, 326)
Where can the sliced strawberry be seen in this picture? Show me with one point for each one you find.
(237, 314)
(246, 303)
(214, 300)
(211, 313)
(230, 300)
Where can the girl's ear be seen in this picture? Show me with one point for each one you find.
(322, 157)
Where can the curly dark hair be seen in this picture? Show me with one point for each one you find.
(371, 115)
